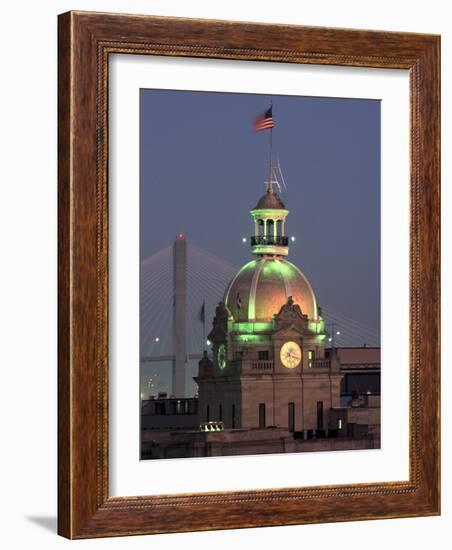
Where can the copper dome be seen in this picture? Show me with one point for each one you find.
(263, 285)
(270, 201)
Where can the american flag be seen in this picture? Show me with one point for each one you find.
(265, 121)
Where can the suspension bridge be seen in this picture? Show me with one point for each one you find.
(175, 283)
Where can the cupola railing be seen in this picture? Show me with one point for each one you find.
(270, 240)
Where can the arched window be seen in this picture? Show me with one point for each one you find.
(270, 228)
(279, 226)
(260, 228)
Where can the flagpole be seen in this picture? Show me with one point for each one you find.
(270, 185)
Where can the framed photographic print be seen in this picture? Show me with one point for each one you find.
(248, 275)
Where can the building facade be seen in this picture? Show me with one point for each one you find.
(268, 367)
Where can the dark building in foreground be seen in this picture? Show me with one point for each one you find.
(164, 413)
(271, 384)
(361, 371)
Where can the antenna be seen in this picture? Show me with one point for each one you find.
(281, 174)
(275, 178)
(276, 175)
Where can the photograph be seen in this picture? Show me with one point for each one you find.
(259, 274)
(224, 236)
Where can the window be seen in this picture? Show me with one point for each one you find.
(220, 412)
(261, 416)
(233, 416)
(270, 230)
(291, 420)
(310, 358)
(263, 355)
(320, 415)
(208, 413)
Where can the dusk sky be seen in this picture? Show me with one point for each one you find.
(203, 168)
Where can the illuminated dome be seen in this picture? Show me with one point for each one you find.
(263, 285)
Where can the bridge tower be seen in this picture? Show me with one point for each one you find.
(179, 315)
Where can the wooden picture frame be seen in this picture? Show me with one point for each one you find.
(85, 508)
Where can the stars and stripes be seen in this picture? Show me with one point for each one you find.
(265, 121)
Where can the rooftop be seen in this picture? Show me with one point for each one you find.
(270, 201)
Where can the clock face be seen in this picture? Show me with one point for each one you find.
(222, 356)
(290, 355)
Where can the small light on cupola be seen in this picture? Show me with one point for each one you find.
(243, 239)
(292, 239)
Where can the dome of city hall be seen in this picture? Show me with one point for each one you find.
(263, 286)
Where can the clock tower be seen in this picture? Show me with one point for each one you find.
(268, 365)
